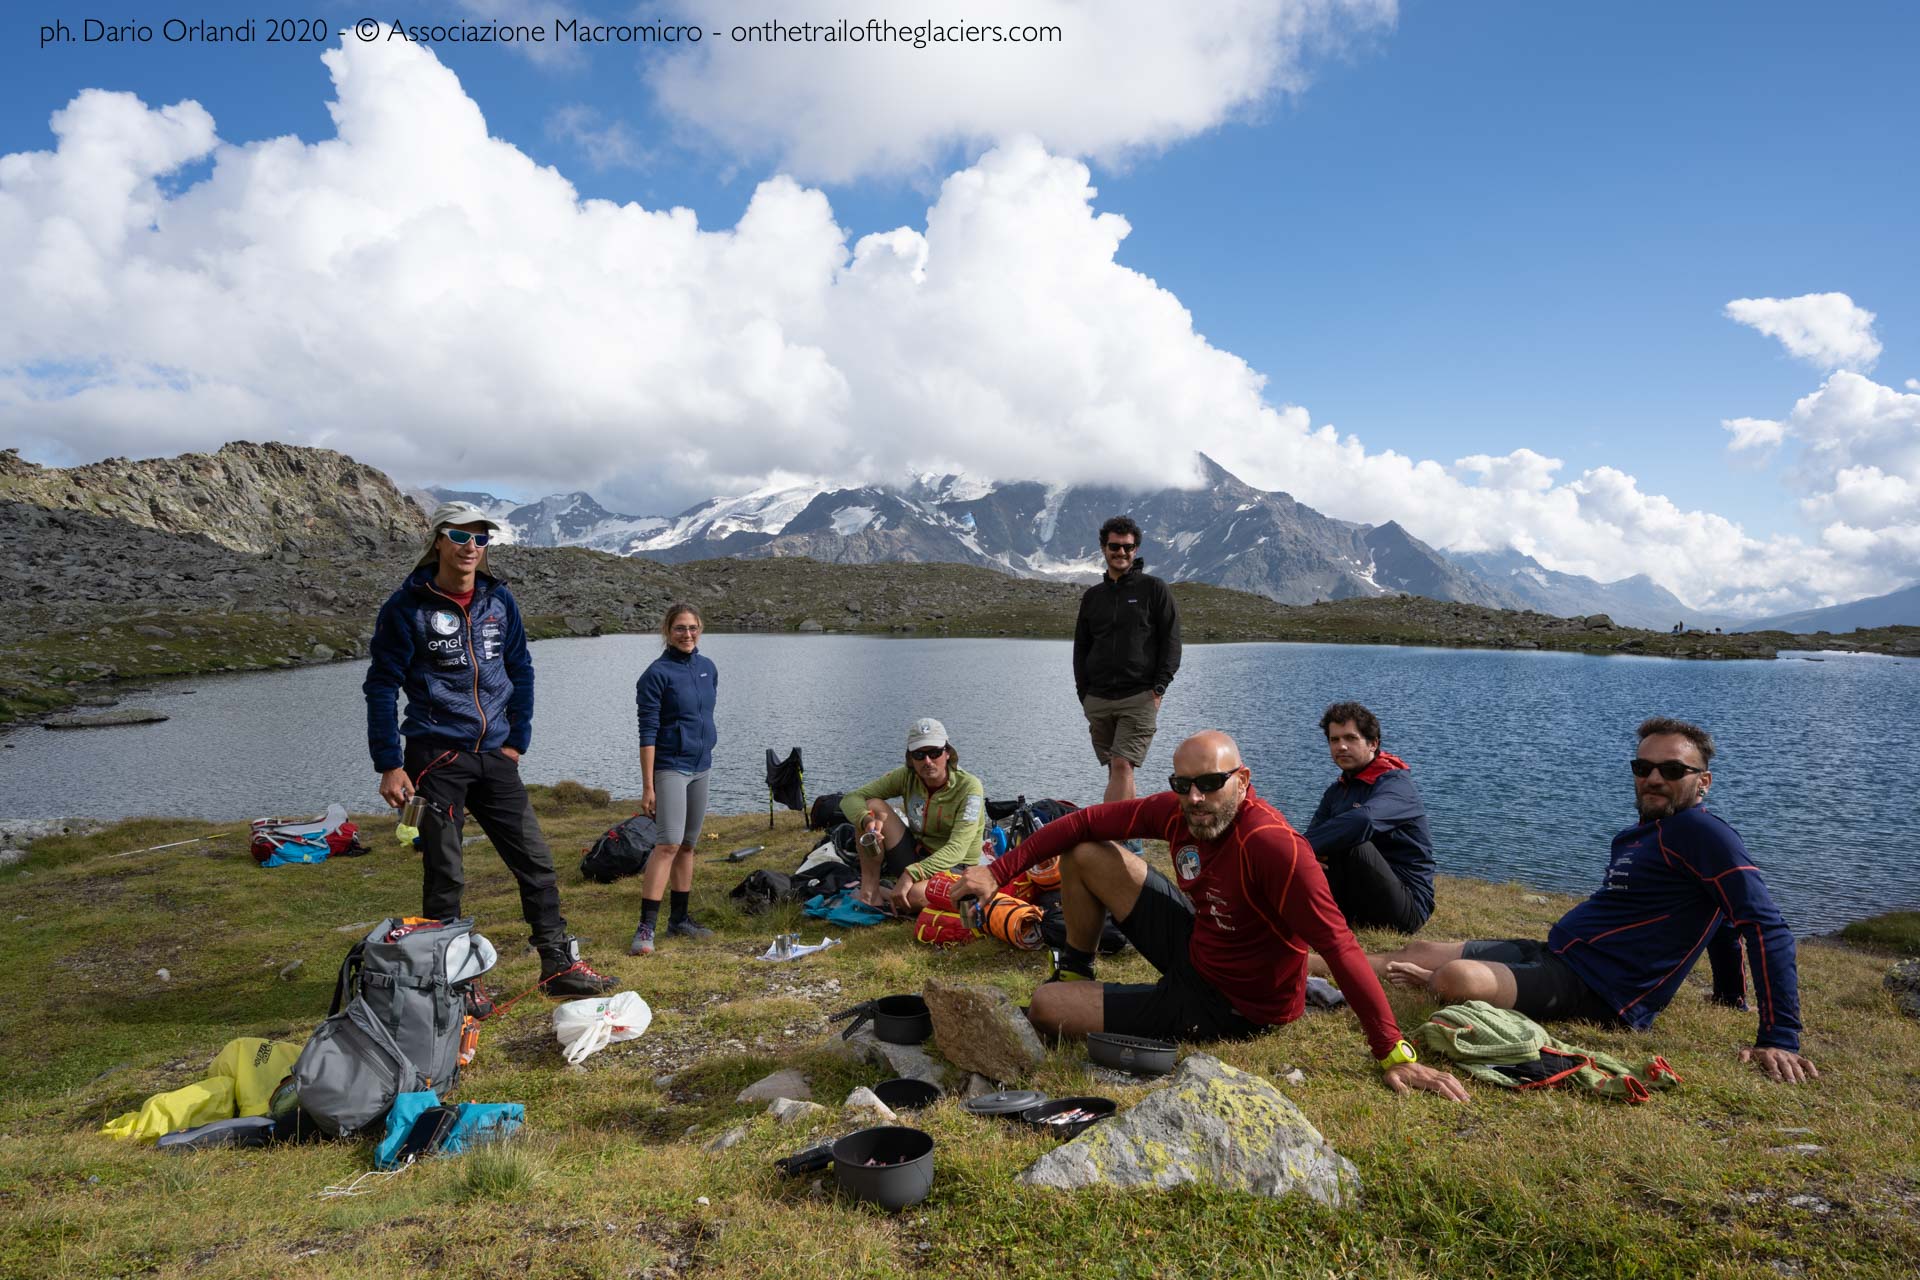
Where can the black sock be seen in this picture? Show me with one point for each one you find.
(1075, 959)
(679, 910)
(649, 911)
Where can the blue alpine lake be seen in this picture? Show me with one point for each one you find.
(1521, 756)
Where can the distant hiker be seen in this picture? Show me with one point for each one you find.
(1126, 649)
(1678, 882)
(675, 697)
(946, 819)
(1370, 831)
(451, 637)
(1230, 942)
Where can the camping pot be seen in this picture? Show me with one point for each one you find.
(896, 1019)
(1135, 1054)
(906, 1094)
(1088, 1111)
(890, 1166)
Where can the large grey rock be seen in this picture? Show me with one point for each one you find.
(1903, 979)
(781, 1084)
(19, 833)
(983, 1030)
(1211, 1124)
(908, 1060)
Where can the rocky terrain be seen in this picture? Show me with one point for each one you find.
(200, 582)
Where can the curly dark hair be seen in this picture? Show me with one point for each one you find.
(1364, 720)
(1693, 733)
(1123, 525)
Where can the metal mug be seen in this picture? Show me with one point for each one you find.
(413, 810)
(782, 946)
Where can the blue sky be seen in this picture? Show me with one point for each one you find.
(1439, 230)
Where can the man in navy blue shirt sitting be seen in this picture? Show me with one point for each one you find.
(1370, 831)
(1679, 882)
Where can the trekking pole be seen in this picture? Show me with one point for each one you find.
(155, 848)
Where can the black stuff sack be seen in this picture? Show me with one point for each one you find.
(761, 891)
(622, 851)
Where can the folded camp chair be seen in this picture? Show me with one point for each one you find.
(786, 782)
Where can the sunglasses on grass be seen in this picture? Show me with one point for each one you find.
(1671, 770)
(461, 537)
(1208, 783)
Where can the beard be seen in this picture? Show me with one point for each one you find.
(1209, 824)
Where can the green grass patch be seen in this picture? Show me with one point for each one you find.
(1895, 931)
(612, 1176)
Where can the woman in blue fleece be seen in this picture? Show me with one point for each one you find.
(675, 697)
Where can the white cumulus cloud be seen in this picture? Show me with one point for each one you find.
(423, 296)
(1824, 329)
(1120, 75)
(1758, 434)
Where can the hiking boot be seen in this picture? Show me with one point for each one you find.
(565, 976)
(642, 944)
(686, 928)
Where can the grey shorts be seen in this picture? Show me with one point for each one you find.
(1122, 726)
(679, 805)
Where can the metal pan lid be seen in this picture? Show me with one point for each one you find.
(1009, 1102)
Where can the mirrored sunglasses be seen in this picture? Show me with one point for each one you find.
(461, 537)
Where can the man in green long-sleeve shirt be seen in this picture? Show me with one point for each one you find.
(946, 817)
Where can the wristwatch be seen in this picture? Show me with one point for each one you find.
(1401, 1052)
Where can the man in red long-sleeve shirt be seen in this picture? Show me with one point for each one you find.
(1230, 941)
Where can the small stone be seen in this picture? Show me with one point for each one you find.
(163, 975)
(781, 1084)
(286, 974)
(790, 1111)
(1794, 1149)
(1794, 1133)
(701, 1200)
(1815, 1203)
(865, 1104)
(1537, 899)
(726, 1141)
(1295, 1077)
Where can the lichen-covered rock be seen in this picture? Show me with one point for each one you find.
(983, 1030)
(1903, 979)
(1211, 1124)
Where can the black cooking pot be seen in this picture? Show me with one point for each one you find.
(896, 1019)
(906, 1094)
(1135, 1054)
(889, 1166)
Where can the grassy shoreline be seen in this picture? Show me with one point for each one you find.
(611, 1175)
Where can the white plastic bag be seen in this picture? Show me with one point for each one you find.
(585, 1027)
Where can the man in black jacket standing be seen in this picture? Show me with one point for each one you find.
(1126, 649)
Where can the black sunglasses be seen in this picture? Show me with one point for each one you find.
(927, 753)
(460, 537)
(1671, 770)
(1207, 782)
(1122, 546)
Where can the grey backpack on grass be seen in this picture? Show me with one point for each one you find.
(398, 1010)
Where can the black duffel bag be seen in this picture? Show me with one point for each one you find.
(622, 851)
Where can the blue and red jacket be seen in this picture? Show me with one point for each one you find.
(1673, 886)
(467, 672)
(1379, 804)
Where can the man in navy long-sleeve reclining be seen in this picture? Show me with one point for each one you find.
(1370, 832)
(1679, 882)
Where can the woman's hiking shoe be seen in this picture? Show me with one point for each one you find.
(564, 975)
(686, 928)
(642, 944)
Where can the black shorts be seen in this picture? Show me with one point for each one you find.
(1182, 1005)
(905, 852)
(1546, 987)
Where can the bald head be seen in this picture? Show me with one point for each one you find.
(1209, 751)
(1209, 758)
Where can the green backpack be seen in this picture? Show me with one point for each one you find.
(1509, 1049)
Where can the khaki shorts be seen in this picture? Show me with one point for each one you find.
(1122, 726)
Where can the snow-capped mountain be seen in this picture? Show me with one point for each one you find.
(1225, 532)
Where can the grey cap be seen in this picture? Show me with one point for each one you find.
(926, 732)
(452, 513)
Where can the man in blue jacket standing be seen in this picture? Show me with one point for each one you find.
(451, 637)
(1370, 831)
(1679, 882)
